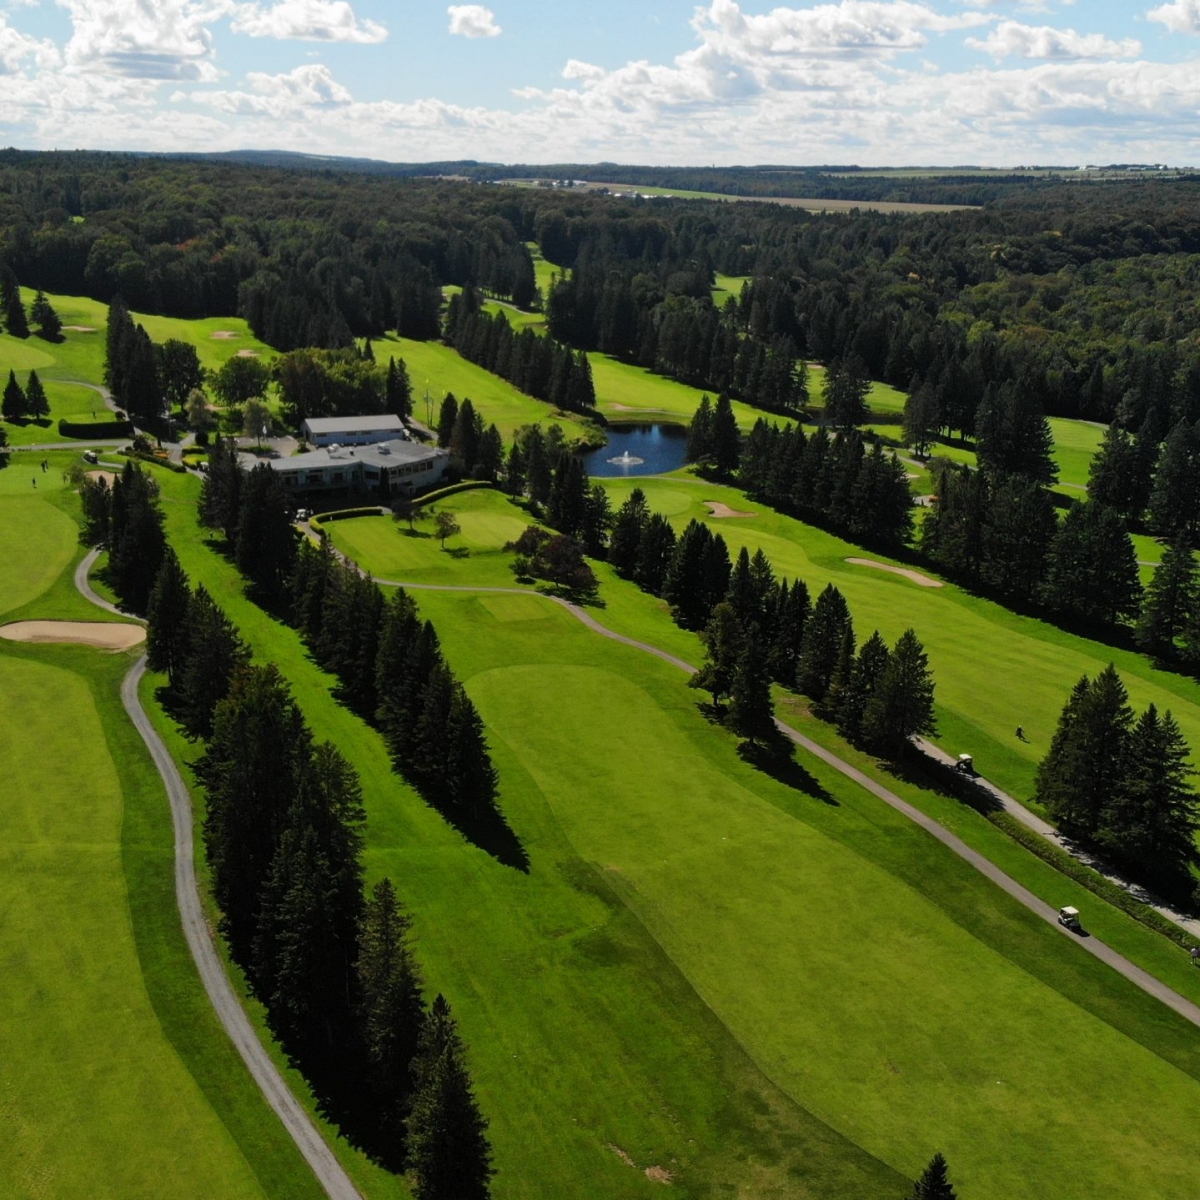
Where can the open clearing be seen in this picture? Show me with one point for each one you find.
(103, 635)
(915, 576)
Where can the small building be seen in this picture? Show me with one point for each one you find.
(383, 469)
(353, 431)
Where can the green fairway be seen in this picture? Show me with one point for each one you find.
(37, 541)
(97, 1100)
(882, 397)
(439, 369)
(1075, 445)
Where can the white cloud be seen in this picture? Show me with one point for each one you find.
(473, 21)
(307, 20)
(1010, 39)
(1180, 16)
(168, 39)
(308, 87)
(16, 49)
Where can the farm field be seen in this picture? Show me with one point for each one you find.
(547, 716)
(118, 1081)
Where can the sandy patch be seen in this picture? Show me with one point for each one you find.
(915, 576)
(717, 509)
(659, 1174)
(109, 477)
(244, 353)
(85, 633)
(80, 328)
(223, 335)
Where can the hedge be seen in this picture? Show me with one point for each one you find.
(467, 485)
(95, 429)
(1091, 879)
(344, 514)
(154, 460)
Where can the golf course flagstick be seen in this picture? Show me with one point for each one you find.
(325, 1166)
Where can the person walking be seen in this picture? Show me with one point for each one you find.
(1195, 956)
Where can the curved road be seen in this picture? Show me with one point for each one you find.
(320, 1158)
(1143, 979)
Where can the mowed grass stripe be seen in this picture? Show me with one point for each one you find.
(97, 1101)
(37, 543)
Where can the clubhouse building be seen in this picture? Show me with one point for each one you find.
(352, 431)
(397, 467)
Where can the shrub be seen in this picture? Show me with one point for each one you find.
(91, 430)
(345, 514)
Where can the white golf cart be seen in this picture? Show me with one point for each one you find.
(1068, 917)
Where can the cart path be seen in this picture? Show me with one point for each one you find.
(325, 1166)
(1142, 979)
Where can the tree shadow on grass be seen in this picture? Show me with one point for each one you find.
(921, 770)
(456, 551)
(775, 758)
(484, 827)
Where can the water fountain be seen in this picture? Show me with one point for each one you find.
(626, 460)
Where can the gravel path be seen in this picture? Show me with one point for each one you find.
(325, 1166)
(1143, 979)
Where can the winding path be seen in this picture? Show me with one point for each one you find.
(1143, 979)
(320, 1158)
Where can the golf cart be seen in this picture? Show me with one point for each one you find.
(965, 766)
(1068, 917)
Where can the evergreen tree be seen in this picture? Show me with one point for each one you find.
(726, 441)
(823, 634)
(596, 522)
(167, 619)
(390, 1007)
(722, 638)
(865, 675)
(136, 541)
(684, 586)
(792, 609)
(214, 654)
(901, 705)
(922, 419)
(45, 318)
(472, 781)
(266, 539)
(1079, 777)
(627, 529)
(465, 437)
(221, 489)
(1117, 475)
(656, 553)
(1014, 436)
(1150, 823)
(1175, 498)
(1170, 600)
(398, 389)
(751, 709)
(846, 386)
(447, 415)
(1018, 527)
(13, 406)
(538, 466)
(15, 320)
(700, 435)
(37, 403)
(1092, 569)
(448, 1150)
(934, 1183)
(179, 370)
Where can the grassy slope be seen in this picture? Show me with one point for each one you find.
(118, 1079)
(694, 842)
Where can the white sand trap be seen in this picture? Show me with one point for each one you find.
(80, 328)
(223, 335)
(244, 353)
(84, 633)
(717, 509)
(108, 476)
(915, 576)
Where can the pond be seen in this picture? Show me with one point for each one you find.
(638, 450)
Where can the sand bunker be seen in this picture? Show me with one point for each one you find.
(108, 476)
(85, 633)
(915, 576)
(717, 509)
(223, 335)
(244, 353)
(80, 328)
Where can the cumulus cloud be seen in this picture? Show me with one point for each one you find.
(307, 20)
(1010, 39)
(17, 50)
(165, 40)
(1180, 16)
(311, 86)
(473, 21)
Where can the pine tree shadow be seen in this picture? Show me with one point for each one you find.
(776, 759)
(923, 771)
(486, 829)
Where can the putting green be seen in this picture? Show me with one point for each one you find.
(37, 541)
(96, 1101)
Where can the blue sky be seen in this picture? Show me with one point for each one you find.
(875, 82)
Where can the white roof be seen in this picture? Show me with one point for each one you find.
(353, 424)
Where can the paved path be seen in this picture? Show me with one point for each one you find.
(325, 1166)
(1135, 974)
(1032, 821)
(84, 586)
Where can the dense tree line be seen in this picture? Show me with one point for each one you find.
(1120, 783)
(332, 964)
(127, 521)
(539, 366)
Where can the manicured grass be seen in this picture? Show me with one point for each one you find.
(628, 393)
(1075, 445)
(725, 286)
(1030, 665)
(98, 1101)
(437, 367)
(881, 398)
(37, 542)
(210, 336)
(544, 272)
(69, 402)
